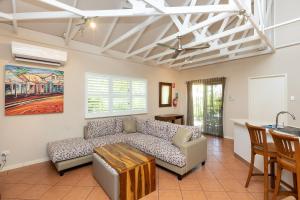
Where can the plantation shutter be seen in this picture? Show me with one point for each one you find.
(112, 96)
(120, 95)
(139, 100)
(98, 96)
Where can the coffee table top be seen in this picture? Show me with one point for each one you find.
(122, 157)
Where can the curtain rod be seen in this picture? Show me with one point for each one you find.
(223, 77)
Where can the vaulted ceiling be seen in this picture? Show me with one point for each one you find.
(233, 29)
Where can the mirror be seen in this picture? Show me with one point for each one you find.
(165, 94)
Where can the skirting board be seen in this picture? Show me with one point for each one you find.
(228, 137)
(24, 164)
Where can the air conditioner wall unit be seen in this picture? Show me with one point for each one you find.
(36, 54)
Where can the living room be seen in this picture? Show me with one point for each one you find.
(81, 77)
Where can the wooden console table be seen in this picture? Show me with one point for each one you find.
(170, 118)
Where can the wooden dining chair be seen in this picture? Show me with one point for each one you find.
(260, 146)
(288, 158)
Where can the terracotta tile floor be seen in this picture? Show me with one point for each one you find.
(222, 177)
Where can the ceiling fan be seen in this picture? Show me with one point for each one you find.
(179, 49)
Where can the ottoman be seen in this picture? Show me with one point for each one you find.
(106, 176)
(124, 172)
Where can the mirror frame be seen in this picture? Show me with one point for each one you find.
(169, 104)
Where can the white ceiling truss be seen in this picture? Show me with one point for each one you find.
(234, 29)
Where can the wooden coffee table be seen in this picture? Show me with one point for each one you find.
(136, 170)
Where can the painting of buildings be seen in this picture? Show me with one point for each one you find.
(33, 90)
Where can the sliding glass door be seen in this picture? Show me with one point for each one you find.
(208, 107)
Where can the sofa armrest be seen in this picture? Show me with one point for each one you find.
(195, 152)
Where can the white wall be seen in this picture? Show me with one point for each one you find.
(26, 136)
(284, 61)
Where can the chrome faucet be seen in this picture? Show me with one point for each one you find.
(283, 112)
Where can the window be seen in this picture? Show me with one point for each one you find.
(113, 95)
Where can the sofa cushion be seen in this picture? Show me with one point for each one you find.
(107, 139)
(157, 147)
(119, 125)
(160, 129)
(141, 125)
(68, 149)
(101, 127)
(129, 125)
(182, 136)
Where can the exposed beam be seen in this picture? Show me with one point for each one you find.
(203, 32)
(187, 31)
(238, 23)
(260, 14)
(216, 55)
(57, 42)
(122, 12)
(64, 6)
(135, 40)
(136, 4)
(177, 23)
(6, 16)
(14, 8)
(131, 32)
(188, 16)
(229, 59)
(69, 27)
(160, 36)
(204, 40)
(110, 30)
(269, 11)
(157, 4)
(257, 29)
(73, 33)
(243, 36)
(225, 45)
(283, 24)
(168, 10)
(196, 33)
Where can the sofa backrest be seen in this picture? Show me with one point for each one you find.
(159, 129)
(166, 130)
(110, 126)
(100, 127)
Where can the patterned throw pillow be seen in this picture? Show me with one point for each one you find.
(101, 127)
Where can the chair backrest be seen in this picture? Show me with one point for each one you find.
(258, 137)
(287, 147)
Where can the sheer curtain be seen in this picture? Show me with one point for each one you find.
(205, 104)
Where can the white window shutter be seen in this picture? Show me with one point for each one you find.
(112, 96)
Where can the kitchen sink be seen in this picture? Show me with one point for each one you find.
(287, 129)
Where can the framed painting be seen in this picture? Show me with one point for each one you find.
(33, 91)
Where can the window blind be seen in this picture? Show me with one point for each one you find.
(111, 95)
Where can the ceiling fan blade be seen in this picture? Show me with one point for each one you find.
(165, 45)
(197, 47)
(176, 54)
